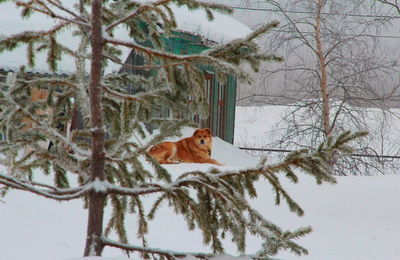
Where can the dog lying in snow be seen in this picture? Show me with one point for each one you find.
(194, 149)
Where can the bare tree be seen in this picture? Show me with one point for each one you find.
(334, 68)
(392, 3)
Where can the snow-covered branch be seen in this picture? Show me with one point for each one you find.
(144, 67)
(142, 8)
(67, 10)
(156, 251)
(47, 128)
(49, 191)
(52, 82)
(141, 96)
(48, 12)
(168, 55)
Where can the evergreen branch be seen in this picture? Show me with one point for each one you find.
(43, 5)
(65, 161)
(156, 251)
(150, 51)
(221, 8)
(49, 130)
(12, 41)
(50, 82)
(195, 177)
(166, 55)
(141, 9)
(144, 67)
(169, 253)
(245, 49)
(52, 193)
(53, 15)
(142, 96)
(65, 9)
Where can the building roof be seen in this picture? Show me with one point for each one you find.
(223, 28)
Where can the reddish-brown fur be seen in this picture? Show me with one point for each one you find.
(194, 149)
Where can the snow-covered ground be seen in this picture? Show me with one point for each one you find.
(356, 219)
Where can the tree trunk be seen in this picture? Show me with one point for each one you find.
(324, 75)
(94, 245)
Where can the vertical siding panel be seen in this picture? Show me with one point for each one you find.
(215, 105)
(230, 107)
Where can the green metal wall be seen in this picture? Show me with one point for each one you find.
(221, 93)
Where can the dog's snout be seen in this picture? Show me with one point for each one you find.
(201, 141)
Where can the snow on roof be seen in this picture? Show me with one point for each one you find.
(222, 29)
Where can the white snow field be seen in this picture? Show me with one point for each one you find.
(356, 219)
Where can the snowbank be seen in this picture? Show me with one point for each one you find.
(356, 219)
(229, 155)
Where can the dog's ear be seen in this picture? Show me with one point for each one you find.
(196, 132)
(208, 131)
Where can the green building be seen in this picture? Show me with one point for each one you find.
(221, 93)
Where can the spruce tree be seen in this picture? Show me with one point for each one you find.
(105, 153)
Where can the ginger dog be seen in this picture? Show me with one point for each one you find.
(194, 149)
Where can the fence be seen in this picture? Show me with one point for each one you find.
(289, 151)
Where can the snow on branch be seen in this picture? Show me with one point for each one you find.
(45, 127)
(11, 42)
(141, 9)
(170, 254)
(140, 97)
(144, 67)
(156, 251)
(50, 191)
(168, 55)
(65, 9)
(40, 7)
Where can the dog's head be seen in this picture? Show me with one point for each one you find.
(203, 138)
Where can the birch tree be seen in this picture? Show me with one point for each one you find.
(105, 153)
(334, 69)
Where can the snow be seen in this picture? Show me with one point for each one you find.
(219, 153)
(99, 258)
(356, 219)
(99, 185)
(254, 128)
(189, 257)
(222, 29)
